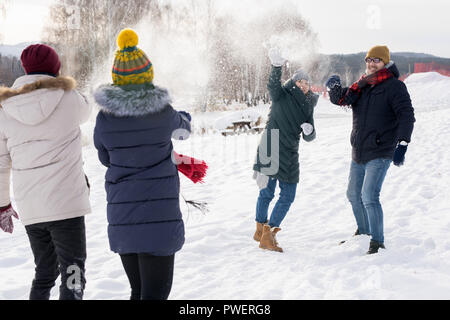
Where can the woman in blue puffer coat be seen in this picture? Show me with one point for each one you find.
(133, 135)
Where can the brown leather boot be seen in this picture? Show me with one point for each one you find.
(274, 232)
(259, 231)
(268, 241)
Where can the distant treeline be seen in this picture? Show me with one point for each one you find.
(348, 66)
(351, 66)
(10, 70)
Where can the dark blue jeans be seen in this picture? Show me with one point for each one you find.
(287, 197)
(363, 192)
(59, 248)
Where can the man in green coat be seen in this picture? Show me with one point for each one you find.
(291, 116)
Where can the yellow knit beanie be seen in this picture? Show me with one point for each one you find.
(131, 64)
(381, 52)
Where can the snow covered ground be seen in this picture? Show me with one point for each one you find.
(220, 260)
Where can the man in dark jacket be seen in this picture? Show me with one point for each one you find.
(291, 116)
(383, 122)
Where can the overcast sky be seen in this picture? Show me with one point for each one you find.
(404, 25)
(342, 26)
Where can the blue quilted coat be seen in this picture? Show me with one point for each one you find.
(133, 136)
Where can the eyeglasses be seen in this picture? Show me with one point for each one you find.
(304, 82)
(375, 60)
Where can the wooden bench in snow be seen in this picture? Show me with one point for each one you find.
(228, 132)
(258, 129)
(242, 125)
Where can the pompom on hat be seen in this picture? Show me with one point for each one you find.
(131, 64)
(127, 38)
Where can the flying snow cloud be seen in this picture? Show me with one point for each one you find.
(180, 43)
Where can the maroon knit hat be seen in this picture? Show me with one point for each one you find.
(40, 58)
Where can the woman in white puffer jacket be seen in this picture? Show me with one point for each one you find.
(40, 144)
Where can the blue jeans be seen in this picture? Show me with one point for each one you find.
(363, 192)
(287, 197)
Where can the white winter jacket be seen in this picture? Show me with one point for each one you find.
(40, 143)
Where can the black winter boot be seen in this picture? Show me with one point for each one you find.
(357, 233)
(374, 246)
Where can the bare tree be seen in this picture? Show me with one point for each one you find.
(3, 9)
(240, 55)
(10, 70)
(234, 47)
(84, 31)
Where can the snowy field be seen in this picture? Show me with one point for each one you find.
(220, 259)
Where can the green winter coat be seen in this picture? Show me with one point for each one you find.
(290, 109)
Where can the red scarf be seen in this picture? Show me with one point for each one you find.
(192, 168)
(354, 91)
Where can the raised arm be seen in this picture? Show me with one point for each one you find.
(274, 86)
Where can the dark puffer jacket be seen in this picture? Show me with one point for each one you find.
(133, 136)
(290, 109)
(382, 116)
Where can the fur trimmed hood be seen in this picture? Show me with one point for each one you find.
(22, 86)
(132, 101)
(33, 98)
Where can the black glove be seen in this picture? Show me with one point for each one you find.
(333, 81)
(399, 155)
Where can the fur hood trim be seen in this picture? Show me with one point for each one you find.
(132, 101)
(64, 83)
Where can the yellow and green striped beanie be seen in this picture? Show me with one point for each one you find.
(131, 64)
